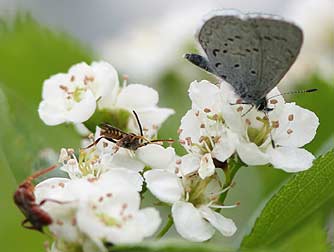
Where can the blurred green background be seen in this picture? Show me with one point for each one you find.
(31, 50)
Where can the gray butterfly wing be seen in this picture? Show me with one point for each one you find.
(280, 43)
(250, 53)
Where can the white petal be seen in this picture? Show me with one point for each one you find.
(203, 95)
(137, 96)
(190, 163)
(122, 158)
(83, 110)
(207, 167)
(164, 185)
(51, 114)
(105, 84)
(122, 178)
(190, 126)
(225, 147)
(224, 225)
(149, 221)
(156, 156)
(189, 222)
(299, 130)
(51, 87)
(251, 154)
(291, 159)
(52, 188)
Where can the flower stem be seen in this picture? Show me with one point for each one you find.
(234, 164)
(165, 229)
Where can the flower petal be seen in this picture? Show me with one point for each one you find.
(51, 114)
(297, 126)
(137, 96)
(203, 95)
(149, 221)
(121, 177)
(251, 154)
(224, 225)
(225, 147)
(189, 163)
(156, 156)
(291, 159)
(190, 127)
(189, 223)
(164, 185)
(207, 167)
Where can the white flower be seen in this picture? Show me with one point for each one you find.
(202, 132)
(114, 216)
(105, 208)
(288, 127)
(72, 97)
(192, 199)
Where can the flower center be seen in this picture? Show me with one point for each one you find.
(259, 135)
(107, 220)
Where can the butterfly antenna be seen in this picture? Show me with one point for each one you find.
(139, 124)
(311, 90)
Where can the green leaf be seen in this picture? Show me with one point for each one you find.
(300, 241)
(301, 196)
(168, 246)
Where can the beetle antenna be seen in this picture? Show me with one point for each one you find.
(139, 124)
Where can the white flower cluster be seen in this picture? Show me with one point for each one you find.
(214, 128)
(75, 96)
(99, 202)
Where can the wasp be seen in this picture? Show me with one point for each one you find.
(130, 141)
(25, 200)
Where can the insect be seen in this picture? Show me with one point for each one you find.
(249, 51)
(25, 200)
(122, 139)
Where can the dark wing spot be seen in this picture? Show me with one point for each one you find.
(236, 65)
(225, 44)
(253, 72)
(230, 39)
(215, 51)
(237, 37)
(255, 49)
(247, 50)
(217, 64)
(224, 77)
(267, 38)
(225, 51)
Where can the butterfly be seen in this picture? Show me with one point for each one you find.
(252, 52)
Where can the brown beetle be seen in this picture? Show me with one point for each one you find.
(25, 200)
(125, 140)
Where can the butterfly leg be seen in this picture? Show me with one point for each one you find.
(199, 61)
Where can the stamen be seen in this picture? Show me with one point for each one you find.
(273, 101)
(179, 131)
(275, 124)
(224, 190)
(207, 110)
(239, 109)
(223, 207)
(289, 131)
(291, 117)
